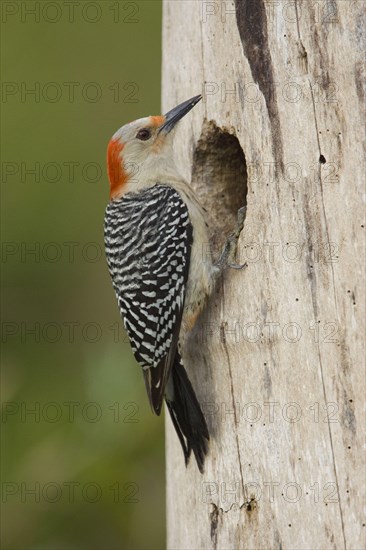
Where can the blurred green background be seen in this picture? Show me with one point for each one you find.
(82, 455)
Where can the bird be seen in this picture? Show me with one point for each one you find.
(154, 233)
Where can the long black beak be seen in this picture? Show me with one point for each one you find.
(174, 116)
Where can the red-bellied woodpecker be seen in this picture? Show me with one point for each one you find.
(155, 233)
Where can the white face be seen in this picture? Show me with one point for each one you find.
(128, 132)
(141, 138)
(141, 150)
(140, 153)
(141, 135)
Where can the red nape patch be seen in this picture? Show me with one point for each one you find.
(116, 174)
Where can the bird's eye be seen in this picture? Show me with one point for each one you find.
(143, 134)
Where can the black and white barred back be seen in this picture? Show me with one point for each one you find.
(148, 239)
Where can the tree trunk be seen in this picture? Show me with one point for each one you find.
(277, 356)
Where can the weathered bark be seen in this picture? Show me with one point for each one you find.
(277, 357)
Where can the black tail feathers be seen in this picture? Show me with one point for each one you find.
(186, 414)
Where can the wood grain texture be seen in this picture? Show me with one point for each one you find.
(277, 358)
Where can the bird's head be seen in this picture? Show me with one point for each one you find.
(139, 150)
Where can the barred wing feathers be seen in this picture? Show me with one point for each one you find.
(148, 238)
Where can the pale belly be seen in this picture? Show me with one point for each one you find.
(201, 270)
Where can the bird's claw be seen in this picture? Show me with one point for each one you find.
(237, 266)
